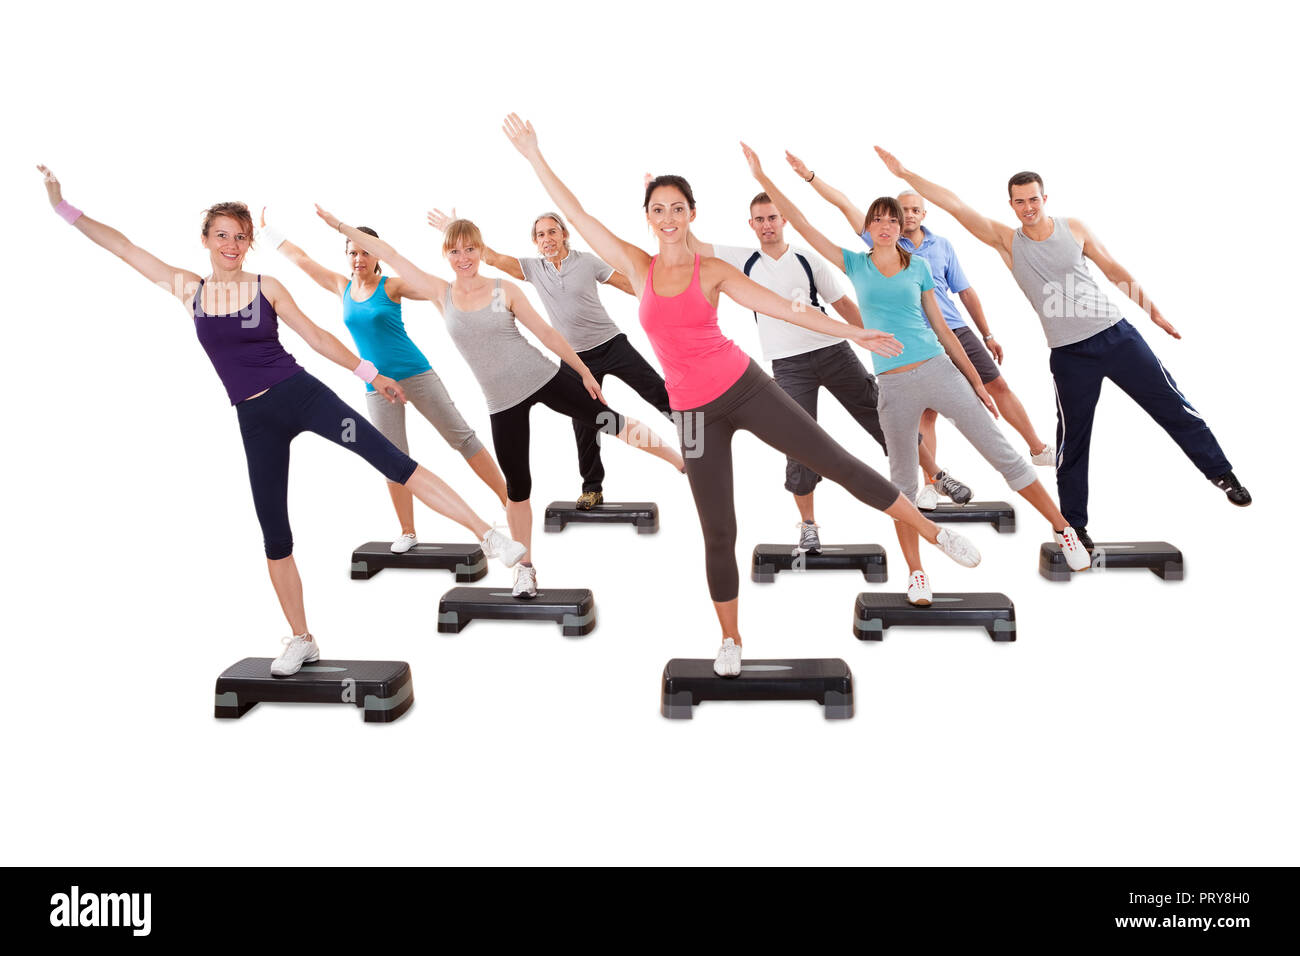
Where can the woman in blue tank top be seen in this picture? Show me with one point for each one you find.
(372, 312)
(236, 316)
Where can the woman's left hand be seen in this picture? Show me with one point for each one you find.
(386, 387)
(882, 343)
(987, 399)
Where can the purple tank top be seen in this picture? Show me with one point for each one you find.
(244, 346)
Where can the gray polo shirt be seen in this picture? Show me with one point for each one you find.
(570, 298)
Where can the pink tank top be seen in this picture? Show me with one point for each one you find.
(699, 362)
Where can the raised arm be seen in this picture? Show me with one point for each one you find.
(179, 282)
(330, 281)
(1118, 275)
(424, 285)
(828, 250)
(507, 264)
(856, 217)
(321, 341)
(623, 256)
(986, 230)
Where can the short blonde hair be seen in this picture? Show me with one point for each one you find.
(461, 232)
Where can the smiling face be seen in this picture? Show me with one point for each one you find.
(550, 237)
(1028, 201)
(767, 223)
(227, 241)
(669, 214)
(464, 257)
(363, 264)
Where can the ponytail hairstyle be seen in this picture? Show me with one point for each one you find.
(888, 206)
(369, 232)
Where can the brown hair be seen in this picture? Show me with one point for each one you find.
(889, 206)
(1024, 179)
(460, 231)
(560, 222)
(759, 199)
(369, 232)
(677, 182)
(235, 210)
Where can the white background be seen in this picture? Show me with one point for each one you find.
(1134, 721)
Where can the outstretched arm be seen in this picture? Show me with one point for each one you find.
(1117, 274)
(326, 279)
(179, 282)
(518, 303)
(856, 217)
(321, 341)
(825, 248)
(425, 285)
(983, 228)
(507, 264)
(726, 278)
(623, 256)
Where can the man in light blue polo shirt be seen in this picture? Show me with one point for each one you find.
(948, 278)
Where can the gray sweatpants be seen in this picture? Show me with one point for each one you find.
(937, 384)
(429, 396)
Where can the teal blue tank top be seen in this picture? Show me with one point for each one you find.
(377, 329)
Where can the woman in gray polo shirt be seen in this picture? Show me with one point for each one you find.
(567, 280)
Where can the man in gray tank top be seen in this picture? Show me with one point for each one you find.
(1089, 338)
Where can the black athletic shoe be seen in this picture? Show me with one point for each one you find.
(1085, 539)
(1232, 487)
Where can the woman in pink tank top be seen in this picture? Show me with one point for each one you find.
(714, 387)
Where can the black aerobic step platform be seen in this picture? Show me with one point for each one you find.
(466, 561)
(825, 680)
(382, 689)
(643, 514)
(873, 612)
(1159, 557)
(771, 559)
(574, 609)
(997, 513)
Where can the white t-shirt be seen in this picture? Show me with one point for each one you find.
(787, 278)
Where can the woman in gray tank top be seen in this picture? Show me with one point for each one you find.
(481, 317)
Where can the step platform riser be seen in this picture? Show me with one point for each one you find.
(1159, 557)
(643, 514)
(466, 561)
(382, 689)
(997, 513)
(828, 681)
(574, 609)
(874, 613)
(771, 559)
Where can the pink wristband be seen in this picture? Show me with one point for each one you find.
(366, 371)
(69, 212)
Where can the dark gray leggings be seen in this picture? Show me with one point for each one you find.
(757, 405)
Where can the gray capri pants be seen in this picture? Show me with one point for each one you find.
(429, 396)
(937, 384)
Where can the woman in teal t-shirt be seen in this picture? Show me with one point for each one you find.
(372, 311)
(896, 290)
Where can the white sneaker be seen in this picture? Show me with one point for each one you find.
(525, 581)
(1076, 555)
(403, 544)
(728, 662)
(299, 650)
(1045, 457)
(497, 545)
(918, 589)
(927, 499)
(958, 548)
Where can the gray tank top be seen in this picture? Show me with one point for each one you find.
(507, 366)
(1055, 279)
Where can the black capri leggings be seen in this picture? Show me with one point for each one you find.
(510, 431)
(271, 421)
(758, 405)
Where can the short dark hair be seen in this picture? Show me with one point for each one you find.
(1024, 179)
(759, 199)
(369, 232)
(677, 182)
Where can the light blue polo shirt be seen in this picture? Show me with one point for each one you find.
(945, 269)
(893, 305)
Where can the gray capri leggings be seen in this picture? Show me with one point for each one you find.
(937, 384)
(757, 404)
(427, 393)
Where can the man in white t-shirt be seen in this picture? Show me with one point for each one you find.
(804, 361)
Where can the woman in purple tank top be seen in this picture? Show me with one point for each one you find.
(715, 388)
(236, 318)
